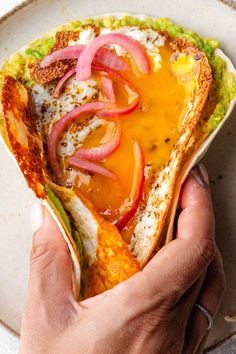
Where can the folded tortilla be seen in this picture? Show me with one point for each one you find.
(101, 255)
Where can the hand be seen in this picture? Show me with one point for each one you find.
(152, 312)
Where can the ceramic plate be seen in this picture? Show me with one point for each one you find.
(210, 18)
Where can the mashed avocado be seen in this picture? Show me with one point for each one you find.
(18, 65)
(225, 85)
(52, 199)
(225, 81)
(39, 48)
(15, 66)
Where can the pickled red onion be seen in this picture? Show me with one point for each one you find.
(70, 52)
(113, 111)
(110, 59)
(104, 56)
(95, 67)
(108, 89)
(91, 167)
(62, 81)
(103, 151)
(59, 128)
(83, 70)
(137, 187)
(115, 75)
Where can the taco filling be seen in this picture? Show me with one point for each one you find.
(104, 117)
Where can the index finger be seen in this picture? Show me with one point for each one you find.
(196, 204)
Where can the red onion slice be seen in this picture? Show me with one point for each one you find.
(115, 76)
(110, 59)
(95, 67)
(62, 82)
(70, 52)
(59, 128)
(101, 152)
(104, 56)
(114, 112)
(137, 187)
(131, 46)
(91, 167)
(108, 89)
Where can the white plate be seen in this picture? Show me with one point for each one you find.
(208, 17)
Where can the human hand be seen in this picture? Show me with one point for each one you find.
(152, 312)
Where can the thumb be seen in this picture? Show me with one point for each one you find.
(50, 304)
(50, 266)
(179, 264)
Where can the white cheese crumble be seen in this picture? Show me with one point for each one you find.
(85, 36)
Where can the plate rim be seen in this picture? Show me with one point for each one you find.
(25, 3)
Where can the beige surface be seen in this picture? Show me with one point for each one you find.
(9, 341)
(206, 16)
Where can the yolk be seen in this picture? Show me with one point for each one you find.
(154, 124)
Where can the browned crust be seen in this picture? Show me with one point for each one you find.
(62, 39)
(205, 84)
(61, 67)
(204, 79)
(15, 105)
(52, 72)
(115, 262)
(171, 172)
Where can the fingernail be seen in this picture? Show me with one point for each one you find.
(199, 173)
(36, 217)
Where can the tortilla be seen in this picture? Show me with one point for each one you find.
(201, 77)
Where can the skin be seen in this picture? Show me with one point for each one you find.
(152, 312)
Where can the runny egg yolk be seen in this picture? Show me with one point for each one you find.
(154, 125)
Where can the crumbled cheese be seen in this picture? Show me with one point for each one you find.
(86, 36)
